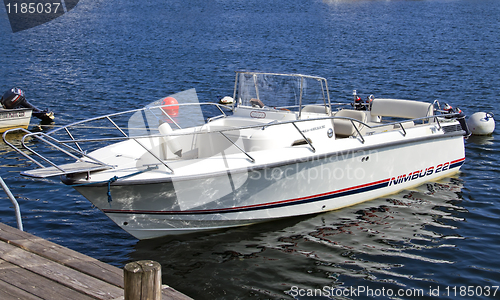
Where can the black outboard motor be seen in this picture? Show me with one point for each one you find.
(14, 98)
(460, 117)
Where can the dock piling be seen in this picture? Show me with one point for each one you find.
(142, 280)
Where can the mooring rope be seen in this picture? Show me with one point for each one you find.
(115, 178)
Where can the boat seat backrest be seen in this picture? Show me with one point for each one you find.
(397, 108)
(319, 109)
(170, 142)
(344, 127)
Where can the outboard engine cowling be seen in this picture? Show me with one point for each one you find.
(14, 98)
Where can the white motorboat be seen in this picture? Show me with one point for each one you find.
(283, 149)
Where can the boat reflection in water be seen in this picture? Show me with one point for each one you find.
(389, 242)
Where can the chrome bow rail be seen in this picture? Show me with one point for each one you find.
(84, 162)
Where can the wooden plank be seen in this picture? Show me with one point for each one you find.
(62, 255)
(8, 291)
(169, 293)
(35, 285)
(63, 275)
(72, 259)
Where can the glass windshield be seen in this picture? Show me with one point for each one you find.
(280, 90)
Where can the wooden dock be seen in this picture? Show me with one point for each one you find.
(34, 268)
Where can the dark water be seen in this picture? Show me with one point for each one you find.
(106, 56)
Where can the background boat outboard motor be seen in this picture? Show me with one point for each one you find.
(14, 98)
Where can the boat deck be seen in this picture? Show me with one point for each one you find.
(34, 268)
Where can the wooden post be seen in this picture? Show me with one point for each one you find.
(142, 280)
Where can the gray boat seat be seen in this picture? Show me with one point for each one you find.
(344, 127)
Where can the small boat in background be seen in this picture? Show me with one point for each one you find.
(14, 118)
(16, 111)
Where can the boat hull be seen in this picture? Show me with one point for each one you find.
(14, 118)
(318, 184)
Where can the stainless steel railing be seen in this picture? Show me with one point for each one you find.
(64, 147)
(14, 202)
